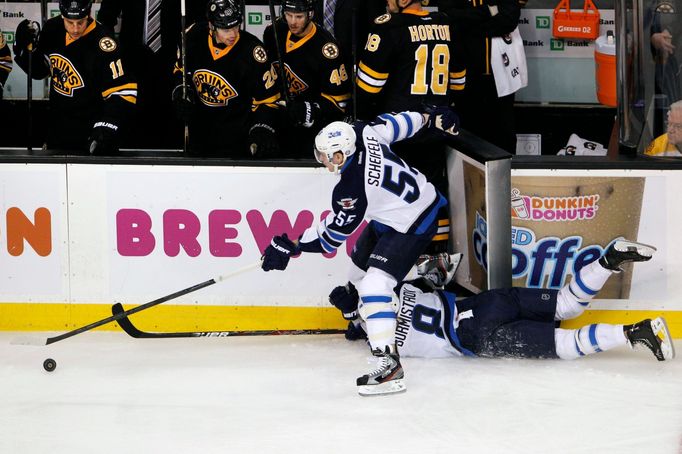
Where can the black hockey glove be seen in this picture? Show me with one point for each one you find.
(354, 331)
(184, 105)
(263, 141)
(103, 139)
(26, 36)
(443, 120)
(304, 113)
(345, 298)
(277, 255)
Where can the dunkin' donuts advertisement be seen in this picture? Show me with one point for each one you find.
(559, 224)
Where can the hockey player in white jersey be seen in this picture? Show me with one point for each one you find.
(512, 322)
(401, 205)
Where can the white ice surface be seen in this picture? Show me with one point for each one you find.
(296, 394)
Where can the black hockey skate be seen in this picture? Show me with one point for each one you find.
(654, 335)
(624, 251)
(438, 269)
(387, 378)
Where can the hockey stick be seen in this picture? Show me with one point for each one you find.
(113, 318)
(127, 326)
(29, 97)
(280, 67)
(354, 51)
(183, 49)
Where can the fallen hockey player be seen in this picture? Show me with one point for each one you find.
(510, 322)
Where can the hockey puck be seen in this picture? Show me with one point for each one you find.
(49, 364)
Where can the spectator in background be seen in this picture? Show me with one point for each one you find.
(474, 24)
(5, 63)
(150, 37)
(664, 22)
(91, 93)
(670, 143)
(231, 91)
(665, 39)
(317, 79)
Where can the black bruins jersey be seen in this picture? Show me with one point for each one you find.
(314, 68)
(88, 81)
(409, 59)
(235, 87)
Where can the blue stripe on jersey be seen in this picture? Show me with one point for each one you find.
(330, 241)
(390, 314)
(448, 300)
(582, 285)
(577, 345)
(340, 237)
(376, 299)
(593, 338)
(428, 217)
(577, 298)
(394, 124)
(326, 246)
(408, 120)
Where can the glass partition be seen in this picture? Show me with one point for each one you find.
(649, 73)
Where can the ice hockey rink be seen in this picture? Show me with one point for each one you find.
(114, 394)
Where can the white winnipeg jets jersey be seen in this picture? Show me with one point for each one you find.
(377, 185)
(427, 324)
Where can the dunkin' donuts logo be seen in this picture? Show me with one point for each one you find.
(553, 209)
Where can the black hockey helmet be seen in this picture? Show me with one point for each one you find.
(75, 9)
(224, 13)
(298, 6)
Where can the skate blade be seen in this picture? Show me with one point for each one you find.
(455, 259)
(623, 245)
(661, 331)
(390, 387)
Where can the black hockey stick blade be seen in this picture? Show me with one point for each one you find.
(127, 326)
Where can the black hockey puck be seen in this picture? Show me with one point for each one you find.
(49, 364)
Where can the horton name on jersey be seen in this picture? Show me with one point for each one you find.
(65, 78)
(429, 32)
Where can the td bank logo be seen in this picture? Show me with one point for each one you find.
(542, 22)
(8, 37)
(556, 44)
(255, 18)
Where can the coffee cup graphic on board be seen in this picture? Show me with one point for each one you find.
(519, 208)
